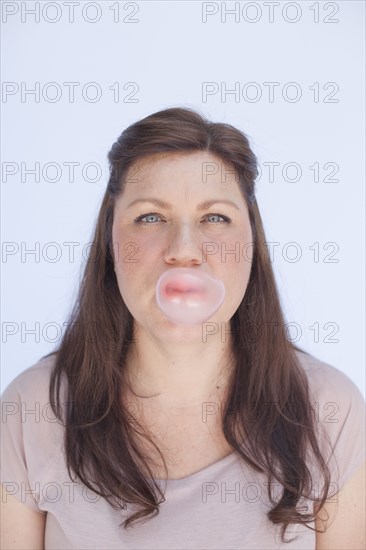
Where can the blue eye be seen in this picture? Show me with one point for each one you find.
(224, 218)
(139, 219)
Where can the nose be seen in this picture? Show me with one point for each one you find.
(184, 247)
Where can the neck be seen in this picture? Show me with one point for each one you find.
(179, 375)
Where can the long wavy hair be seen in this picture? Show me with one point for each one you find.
(101, 433)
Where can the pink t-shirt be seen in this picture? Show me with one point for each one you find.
(223, 506)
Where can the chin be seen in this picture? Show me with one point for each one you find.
(167, 328)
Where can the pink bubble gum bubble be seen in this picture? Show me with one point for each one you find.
(188, 296)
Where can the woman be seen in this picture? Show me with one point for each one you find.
(156, 435)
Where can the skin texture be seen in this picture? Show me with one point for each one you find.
(21, 527)
(346, 523)
(179, 364)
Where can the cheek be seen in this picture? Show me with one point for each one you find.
(132, 254)
(235, 252)
(126, 255)
(126, 258)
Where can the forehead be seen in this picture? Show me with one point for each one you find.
(201, 169)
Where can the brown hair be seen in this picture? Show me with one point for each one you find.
(100, 433)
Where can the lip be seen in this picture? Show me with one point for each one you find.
(188, 296)
(176, 296)
(183, 288)
(185, 278)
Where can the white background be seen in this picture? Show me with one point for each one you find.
(169, 52)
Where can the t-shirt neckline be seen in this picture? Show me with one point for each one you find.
(208, 469)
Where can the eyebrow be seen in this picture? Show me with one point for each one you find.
(201, 206)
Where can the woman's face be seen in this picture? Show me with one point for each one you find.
(160, 222)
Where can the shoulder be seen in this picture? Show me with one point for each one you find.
(26, 411)
(31, 437)
(31, 383)
(339, 410)
(326, 382)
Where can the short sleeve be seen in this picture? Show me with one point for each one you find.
(14, 473)
(340, 411)
(26, 441)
